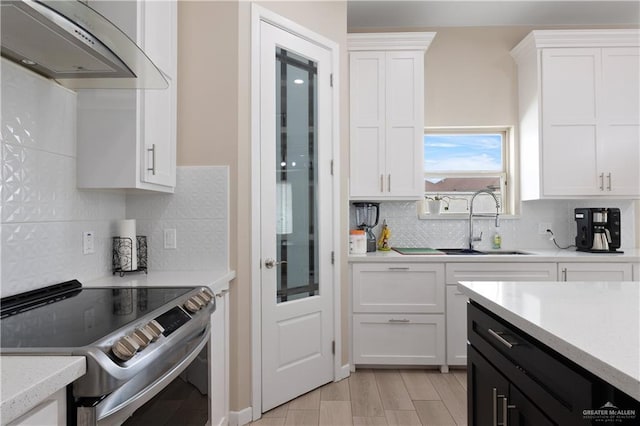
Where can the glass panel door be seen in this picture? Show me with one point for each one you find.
(296, 176)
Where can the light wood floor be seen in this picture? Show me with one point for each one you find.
(379, 397)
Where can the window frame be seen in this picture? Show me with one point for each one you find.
(508, 176)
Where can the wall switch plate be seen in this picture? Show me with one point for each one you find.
(542, 228)
(88, 242)
(170, 239)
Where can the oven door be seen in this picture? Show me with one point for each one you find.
(178, 387)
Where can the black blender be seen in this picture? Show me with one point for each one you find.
(367, 216)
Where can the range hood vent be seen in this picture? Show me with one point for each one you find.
(68, 41)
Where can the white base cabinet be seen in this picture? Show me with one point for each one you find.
(219, 350)
(610, 271)
(127, 138)
(51, 412)
(456, 316)
(398, 313)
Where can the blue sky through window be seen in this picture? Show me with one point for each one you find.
(463, 152)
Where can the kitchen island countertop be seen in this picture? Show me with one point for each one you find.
(594, 324)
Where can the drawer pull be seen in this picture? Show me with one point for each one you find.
(404, 320)
(498, 336)
(399, 268)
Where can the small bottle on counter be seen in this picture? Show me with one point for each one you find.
(497, 241)
(357, 242)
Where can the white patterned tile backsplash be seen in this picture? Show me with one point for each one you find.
(198, 211)
(517, 233)
(36, 113)
(43, 213)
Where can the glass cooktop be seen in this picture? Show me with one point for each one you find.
(82, 317)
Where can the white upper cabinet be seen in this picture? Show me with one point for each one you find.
(127, 138)
(579, 112)
(387, 114)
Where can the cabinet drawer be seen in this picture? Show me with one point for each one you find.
(398, 339)
(398, 287)
(520, 271)
(595, 271)
(548, 379)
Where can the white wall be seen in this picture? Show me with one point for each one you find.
(44, 214)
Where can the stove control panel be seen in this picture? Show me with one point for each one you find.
(198, 301)
(126, 347)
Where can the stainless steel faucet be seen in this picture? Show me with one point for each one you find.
(472, 239)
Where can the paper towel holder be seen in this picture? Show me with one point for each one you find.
(121, 255)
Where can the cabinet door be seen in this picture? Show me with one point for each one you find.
(157, 35)
(595, 271)
(487, 389)
(404, 150)
(367, 118)
(402, 339)
(456, 326)
(219, 350)
(398, 287)
(522, 412)
(619, 139)
(570, 83)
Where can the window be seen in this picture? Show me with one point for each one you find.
(461, 161)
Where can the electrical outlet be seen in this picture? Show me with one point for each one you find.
(170, 239)
(88, 242)
(542, 228)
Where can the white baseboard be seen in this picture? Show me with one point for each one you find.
(242, 417)
(344, 372)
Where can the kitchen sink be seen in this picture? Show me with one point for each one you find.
(469, 252)
(460, 251)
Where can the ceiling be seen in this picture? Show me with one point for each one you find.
(368, 15)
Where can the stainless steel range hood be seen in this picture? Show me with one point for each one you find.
(68, 41)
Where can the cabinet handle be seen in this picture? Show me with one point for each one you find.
(152, 169)
(498, 336)
(404, 320)
(601, 181)
(564, 274)
(609, 181)
(381, 183)
(222, 293)
(398, 268)
(505, 411)
(494, 400)
(389, 183)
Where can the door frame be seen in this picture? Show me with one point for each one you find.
(260, 14)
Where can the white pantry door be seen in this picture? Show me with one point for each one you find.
(296, 215)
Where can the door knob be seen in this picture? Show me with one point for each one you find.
(270, 263)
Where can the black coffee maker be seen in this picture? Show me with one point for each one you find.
(598, 230)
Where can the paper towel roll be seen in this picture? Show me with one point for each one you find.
(128, 255)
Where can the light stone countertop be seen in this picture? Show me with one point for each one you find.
(28, 380)
(594, 324)
(535, 255)
(214, 279)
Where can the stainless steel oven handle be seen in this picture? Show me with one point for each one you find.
(120, 412)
